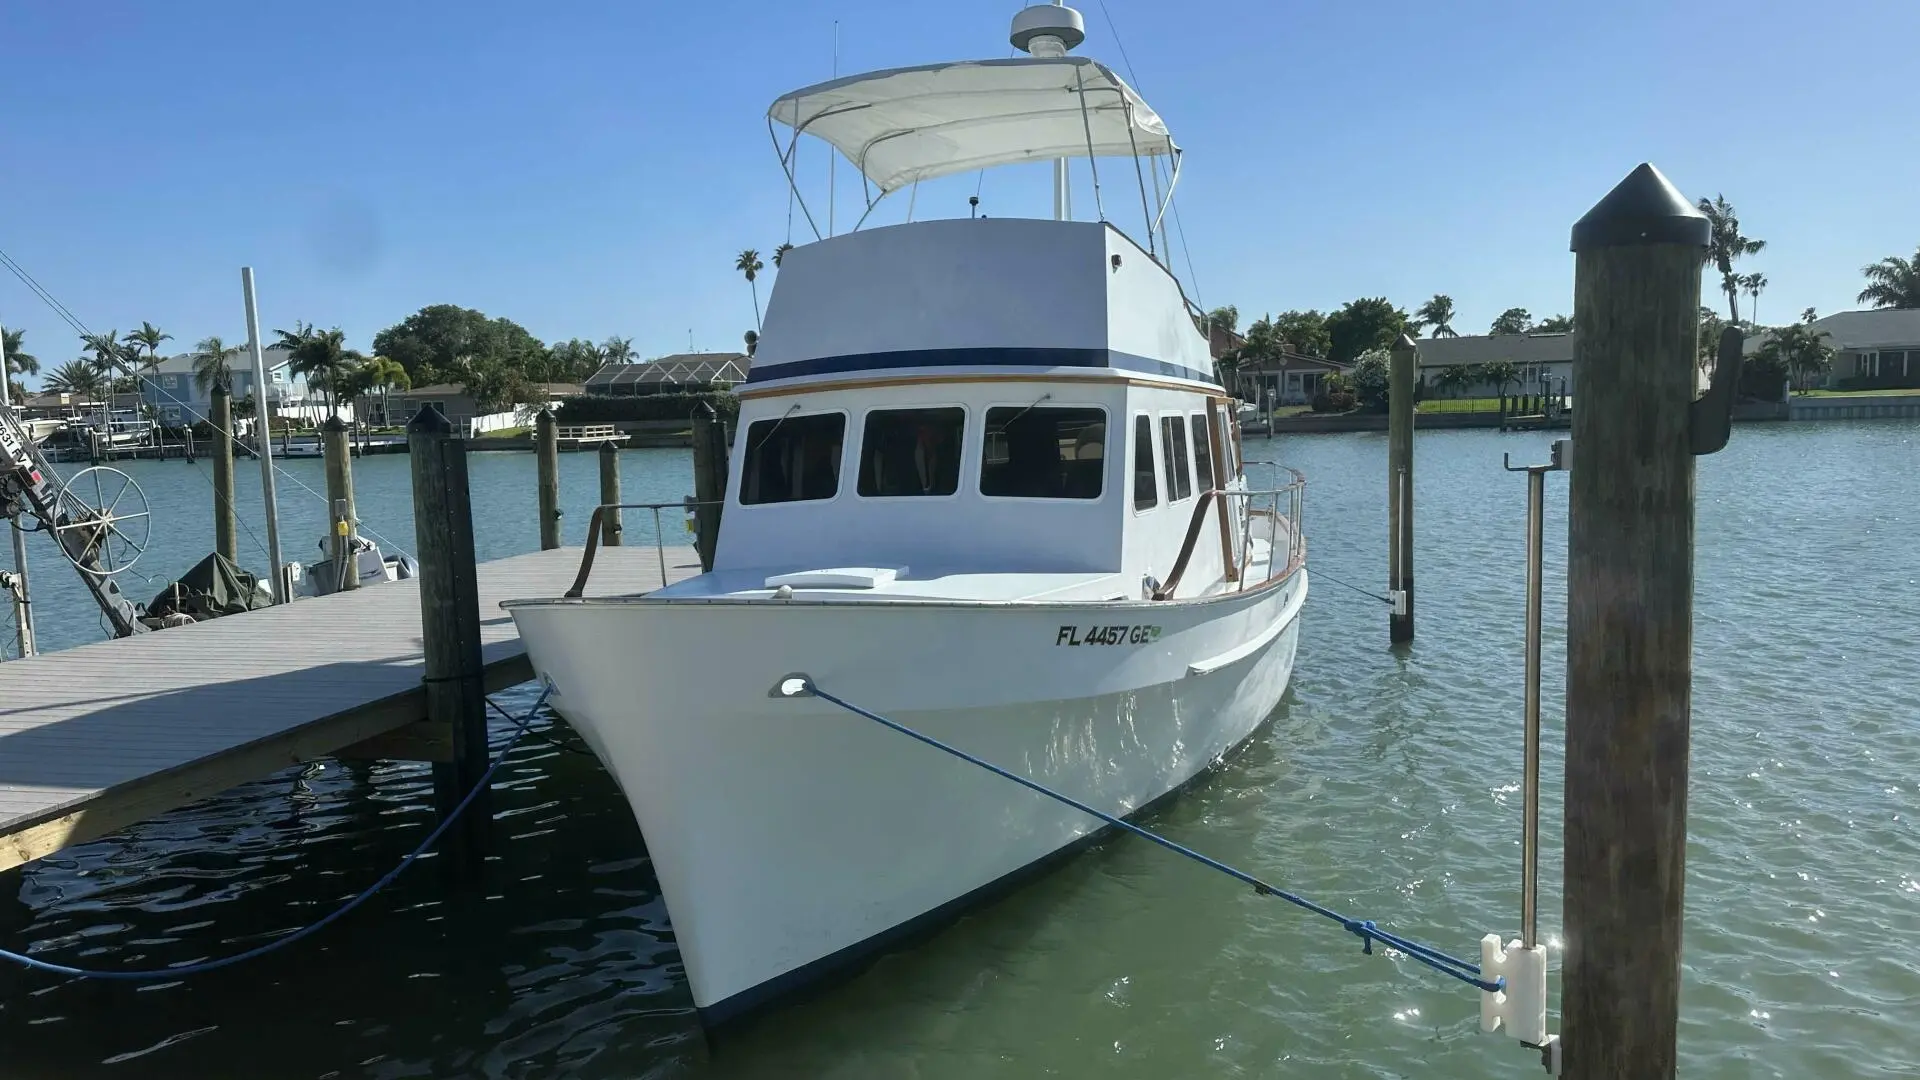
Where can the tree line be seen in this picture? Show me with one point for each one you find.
(498, 361)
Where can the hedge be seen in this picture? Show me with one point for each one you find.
(608, 410)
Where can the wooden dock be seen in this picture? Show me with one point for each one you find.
(97, 738)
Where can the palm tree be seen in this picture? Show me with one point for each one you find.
(1893, 282)
(1500, 373)
(1725, 245)
(780, 253)
(77, 377)
(749, 264)
(213, 365)
(1800, 350)
(19, 360)
(1226, 317)
(1753, 285)
(1436, 313)
(1451, 378)
(1555, 324)
(617, 350)
(385, 375)
(321, 356)
(148, 337)
(109, 352)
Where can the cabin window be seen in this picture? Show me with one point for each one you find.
(1173, 445)
(907, 452)
(1145, 495)
(1202, 452)
(1229, 446)
(1044, 453)
(793, 459)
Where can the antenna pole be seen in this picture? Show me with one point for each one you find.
(833, 160)
(263, 439)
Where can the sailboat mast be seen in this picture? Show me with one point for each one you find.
(1050, 30)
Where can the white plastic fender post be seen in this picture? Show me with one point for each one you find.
(1522, 1007)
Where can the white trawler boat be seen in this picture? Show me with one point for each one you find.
(984, 484)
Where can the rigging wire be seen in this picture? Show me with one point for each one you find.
(81, 328)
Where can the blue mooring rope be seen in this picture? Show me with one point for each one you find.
(1365, 929)
(159, 974)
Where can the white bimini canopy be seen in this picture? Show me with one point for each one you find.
(917, 123)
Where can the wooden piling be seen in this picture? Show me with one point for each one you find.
(1400, 489)
(709, 481)
(1629, 628)
(338, 454)
(224, 540)
(546, 452)
(610, 525)
(450, 627)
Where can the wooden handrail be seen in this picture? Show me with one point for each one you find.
(1165, 591)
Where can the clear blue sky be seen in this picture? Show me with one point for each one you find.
(592, 169)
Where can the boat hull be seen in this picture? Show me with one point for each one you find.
(792, 838)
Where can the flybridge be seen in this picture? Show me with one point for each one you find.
(904, 125)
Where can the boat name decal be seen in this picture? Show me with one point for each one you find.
(1137, 634)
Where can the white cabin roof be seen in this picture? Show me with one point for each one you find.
(917, 123)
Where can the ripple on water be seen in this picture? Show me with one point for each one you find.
(1385, 786)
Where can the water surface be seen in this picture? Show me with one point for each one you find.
(1386, 785)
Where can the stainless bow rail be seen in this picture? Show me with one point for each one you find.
(605, 521)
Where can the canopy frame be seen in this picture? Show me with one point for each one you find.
(1152, 217)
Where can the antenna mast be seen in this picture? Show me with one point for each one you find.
(1051, 30)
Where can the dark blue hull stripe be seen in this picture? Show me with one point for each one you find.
(939, 358)
(740, 1009)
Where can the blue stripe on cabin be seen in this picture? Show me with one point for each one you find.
(981, 357)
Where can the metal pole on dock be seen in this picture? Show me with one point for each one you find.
(225, 542)
(610, 525)
(263, 441)
(1638, 258)
(709, 481)
(338, 454)
(1400, 490)
(450, 626)
(546, 452)
(22, 597)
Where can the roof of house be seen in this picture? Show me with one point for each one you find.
(1291, 361)
(182, 363)
(433, 390)
(1491, 348)
(678, 369)
(1870, 329)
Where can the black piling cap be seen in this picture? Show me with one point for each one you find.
(1642, 209)
(334, 423)
(429, 421)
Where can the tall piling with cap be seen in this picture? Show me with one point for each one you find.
(338, 454)
(225, 542)
(1400, 379)
(709, 481)
(546, 452)
(1638, 257)
(610, 525)
(450, 626)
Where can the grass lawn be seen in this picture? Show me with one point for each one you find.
(506, 433)
(1440, 405)
(1859, 393)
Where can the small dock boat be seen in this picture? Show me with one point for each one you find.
(985, 483)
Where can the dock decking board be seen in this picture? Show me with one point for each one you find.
(96, 738)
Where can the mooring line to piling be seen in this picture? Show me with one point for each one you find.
(1317, 572)
(167, 974)
(1365, 929)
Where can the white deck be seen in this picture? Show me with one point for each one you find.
(94, 738)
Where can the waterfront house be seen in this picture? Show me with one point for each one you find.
(1544, 361)
(178, 399)
(681, 373)
(1291, 378)
(1879, 349)
(458, 406)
